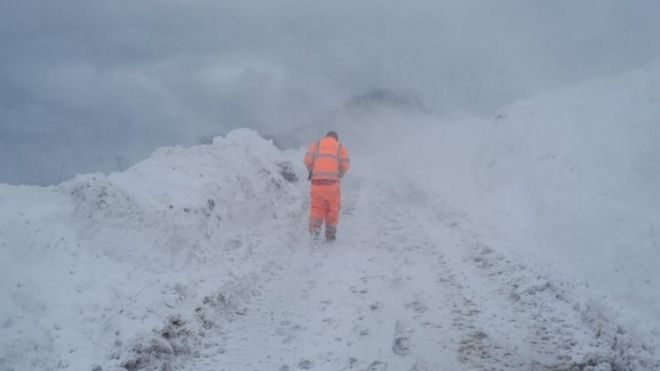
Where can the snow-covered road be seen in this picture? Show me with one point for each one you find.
(410, 289)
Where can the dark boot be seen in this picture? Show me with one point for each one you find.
(330, 233)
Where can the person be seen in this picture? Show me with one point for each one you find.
(327, 161)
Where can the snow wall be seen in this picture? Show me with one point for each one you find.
(91, 270)
(568, 181)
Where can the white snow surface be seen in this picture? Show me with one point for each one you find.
(570, 179)
(91, 267)
(524, 242)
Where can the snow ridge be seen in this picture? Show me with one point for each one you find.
(129, 252)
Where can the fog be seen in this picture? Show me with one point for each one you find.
(94, 86)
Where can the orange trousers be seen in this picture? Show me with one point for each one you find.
(325, 205)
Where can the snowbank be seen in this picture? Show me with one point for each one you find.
(582, 167)
(568, 179)
(99, 263)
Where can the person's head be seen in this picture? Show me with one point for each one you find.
(333, 134)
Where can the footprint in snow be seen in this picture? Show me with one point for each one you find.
(417, 307)
(401, 346)
(305, 364)
(377, 366)
(376, 306)
(359, 291)
(401, 343)
(361, 331)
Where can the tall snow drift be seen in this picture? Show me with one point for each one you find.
(87, 266)
(568, 179)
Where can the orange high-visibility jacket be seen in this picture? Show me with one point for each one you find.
(327, 159)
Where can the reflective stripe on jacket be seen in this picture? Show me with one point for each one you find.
(327, 159)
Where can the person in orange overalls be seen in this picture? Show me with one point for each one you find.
(327, 162)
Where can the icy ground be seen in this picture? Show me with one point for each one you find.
(525, 242)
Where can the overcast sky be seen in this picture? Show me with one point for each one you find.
(82, 82)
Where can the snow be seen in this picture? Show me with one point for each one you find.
(572, 176)
(526, 241)
(90, 265)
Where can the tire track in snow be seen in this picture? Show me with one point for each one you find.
(367, 302)
(515, 319)
(412, 289)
